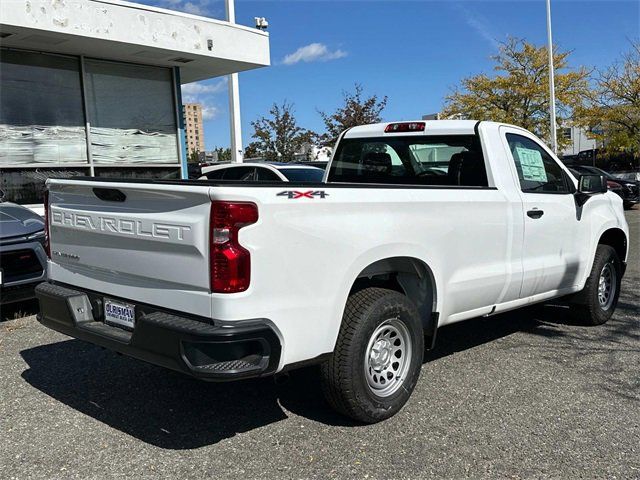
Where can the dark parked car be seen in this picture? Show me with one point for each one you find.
(23, 259)
(633, 175)
(609, 161)
(629, 190)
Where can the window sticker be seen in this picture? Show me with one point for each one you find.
(532, 165)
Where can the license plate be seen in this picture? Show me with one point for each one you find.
(119, 314)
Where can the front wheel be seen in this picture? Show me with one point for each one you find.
(595, 304)
(378, 355)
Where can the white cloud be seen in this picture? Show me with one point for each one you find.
(201, 88)
(203, 93)
(479, 23)
(193, 9)
(209, 112)
(314, 52)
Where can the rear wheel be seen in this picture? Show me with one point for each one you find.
(595, 304)
(378, 356)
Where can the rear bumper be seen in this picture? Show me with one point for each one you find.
(205, 349)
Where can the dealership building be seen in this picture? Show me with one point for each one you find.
(92, 87)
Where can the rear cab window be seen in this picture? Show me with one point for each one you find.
(452, 160)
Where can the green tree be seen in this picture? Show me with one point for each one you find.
(194, 157)
(278, 136)
(612, 111)
(519, 92)
(224, 154)
(355, 110)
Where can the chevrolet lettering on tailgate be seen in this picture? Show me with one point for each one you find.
(124, 226)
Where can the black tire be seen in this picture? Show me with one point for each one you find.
(586, 306)
(346, 376)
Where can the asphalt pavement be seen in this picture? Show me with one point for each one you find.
(520, 395)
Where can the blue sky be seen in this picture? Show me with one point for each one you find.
(414, 52)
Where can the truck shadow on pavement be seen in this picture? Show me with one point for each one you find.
(173, 411)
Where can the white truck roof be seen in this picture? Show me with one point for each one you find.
(432, 127)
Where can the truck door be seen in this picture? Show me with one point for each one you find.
(550, 250)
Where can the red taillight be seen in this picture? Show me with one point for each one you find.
(405, 127)
(230, 262)
(47, 246)
(611, 184)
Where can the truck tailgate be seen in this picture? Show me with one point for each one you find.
(133, 240)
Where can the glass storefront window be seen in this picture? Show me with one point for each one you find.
(131, 112)
(139, 172)
(26, 185)
(41, 111)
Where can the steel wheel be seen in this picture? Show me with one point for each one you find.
(607, 286)
(376, 362)
(388, 357)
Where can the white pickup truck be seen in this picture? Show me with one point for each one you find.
(415, 226)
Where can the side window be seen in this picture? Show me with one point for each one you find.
(239, 173)
(266, 175)
(537, 170)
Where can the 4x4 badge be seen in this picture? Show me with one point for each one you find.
(294, 194)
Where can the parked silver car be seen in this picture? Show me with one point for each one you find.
(23, 259)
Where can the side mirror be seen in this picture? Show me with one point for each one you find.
(592, 184)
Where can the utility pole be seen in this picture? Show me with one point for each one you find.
(234, 99)
(552, 86)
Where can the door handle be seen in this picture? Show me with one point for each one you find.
(535, 213)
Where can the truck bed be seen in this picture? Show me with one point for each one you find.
(296, 245)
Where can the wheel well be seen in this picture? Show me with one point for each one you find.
(409, 276)
(616, 239)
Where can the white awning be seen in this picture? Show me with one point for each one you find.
(115, 30)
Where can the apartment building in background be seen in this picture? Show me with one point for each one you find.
(193, 129)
